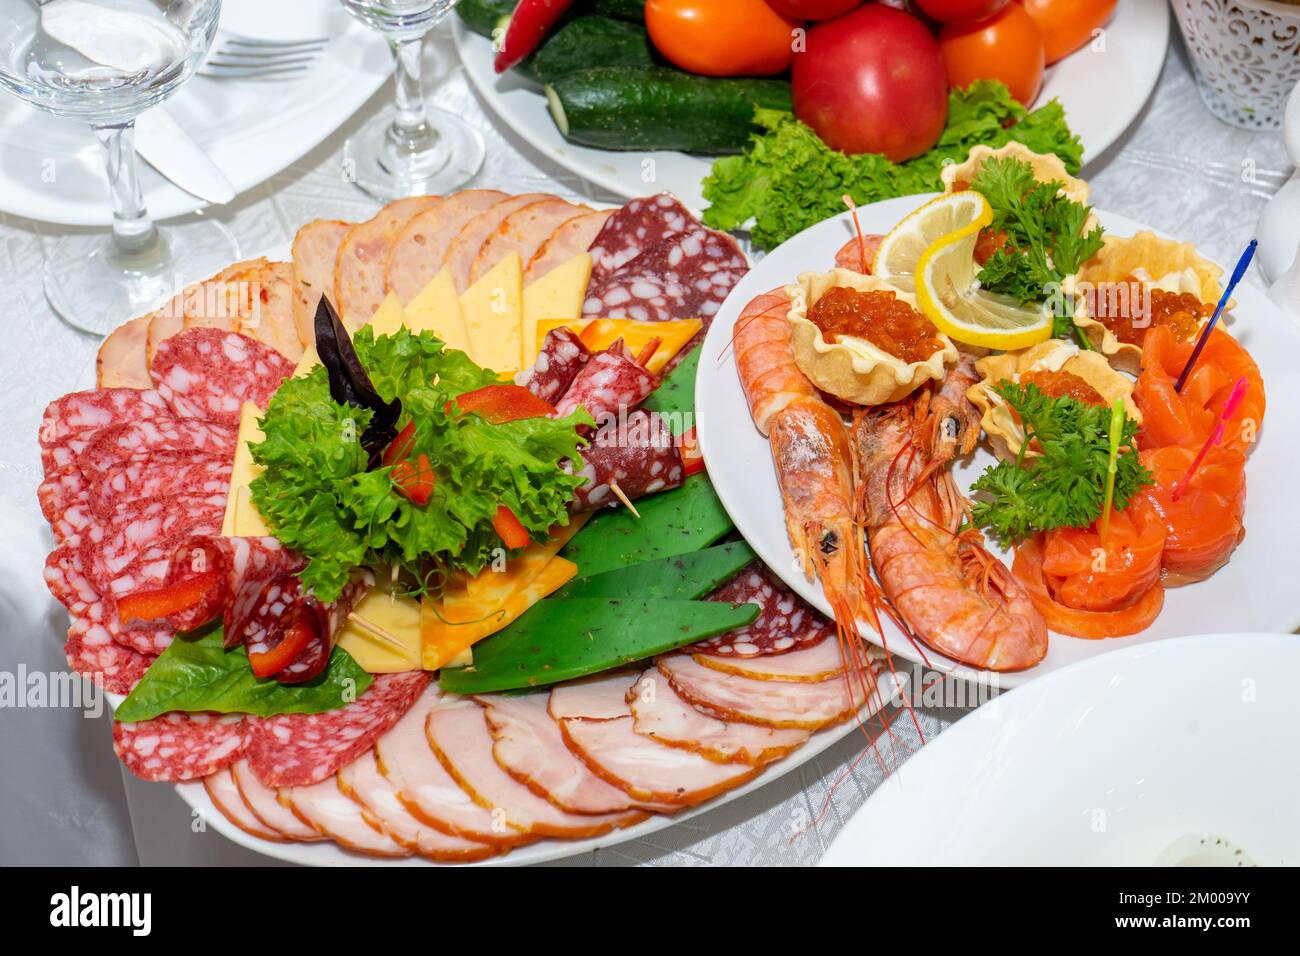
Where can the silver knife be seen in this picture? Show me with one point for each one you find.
(164, 145)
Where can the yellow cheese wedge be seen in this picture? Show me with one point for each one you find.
(436, 309)
(600, 334)
(389, 317)
(248, 520)
(442, 641)
(383, 633)
(308, 361)
(556, 295)
(242, 471)
(493, 310)
(494, 588)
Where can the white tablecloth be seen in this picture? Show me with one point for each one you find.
(65, 799)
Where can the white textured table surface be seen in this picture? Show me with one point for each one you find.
(65, 799)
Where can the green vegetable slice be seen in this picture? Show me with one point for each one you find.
(682, 577)
(674, 399)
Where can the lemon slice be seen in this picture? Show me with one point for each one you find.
(948, 292)
(900, 252)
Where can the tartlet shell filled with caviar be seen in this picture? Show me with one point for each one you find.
(854, 369)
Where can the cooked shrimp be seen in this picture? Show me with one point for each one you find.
(948, 589)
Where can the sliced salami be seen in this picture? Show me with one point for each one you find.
(639, 224)
(568, 240)
(110, 446)
(561, 358)
(785, 621)
(60, 491)
(210, 373)
(609, 382)
(638, 455)
(281, 607)
(157, 474)
(68, 581)
(91, 651)
(295, 750)
(98, 408)
(180, 746)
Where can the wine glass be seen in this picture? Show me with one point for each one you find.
(104, 62)
(409, 149)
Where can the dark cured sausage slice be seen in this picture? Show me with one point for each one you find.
(785, 623)
(558, 363)
(281, 605)
(209, 373)
(639, 455)
(180, 746)
(634, 228)
(611, 380)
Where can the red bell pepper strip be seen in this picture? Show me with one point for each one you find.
(503, 403)
(414, 481)
(297, 636)
(688, 446)
(528, 25)
(157, 603)
(507, 526)
(401, 446)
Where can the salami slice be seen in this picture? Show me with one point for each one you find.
(67, 580)
(568, 240)
(181, 746)
(293, 750)
(157, 474)
(70, 422)
(638, 455)
(635, 227)
(686, 275)
(609, 382)
(60, 491)
(210, 373)
(785, 622)
(558, 363)
(91, 651)
(111, 446)
(69, 583)
(281, 606)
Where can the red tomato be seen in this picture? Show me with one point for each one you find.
(1007, 47)
(960, 11)
(1067, 25)
(814, 9)
(721, 37)
(872, 81)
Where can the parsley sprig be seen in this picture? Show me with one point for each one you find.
(1045, 237)
(1066, 485)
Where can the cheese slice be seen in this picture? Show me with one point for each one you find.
(249, 522)
(491, 589)
(557, 295)
(389, 317)
(242, 472)
(308, 361)
(600, 334)
(443, 642)
(493, 309)
(397, 618)
(436, 309)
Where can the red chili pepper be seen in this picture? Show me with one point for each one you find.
(503, 403)
(401, 446)
(530, 22)
(156, 603)
(507, 526)
(297, 636)
(414, 481)
(688, 446)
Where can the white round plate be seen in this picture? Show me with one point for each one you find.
(1102, 91)
(1130, 759)
(1254, 591)
(51, 168)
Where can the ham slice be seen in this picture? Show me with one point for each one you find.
(596, 698)
(315, 250)
(325, 807)
(819, 662)
(121, 361)
(773, 703)
(463, 249)
(523, 231)
(362, 782)
(459, 735)
(606, 741)
(570, 238)
(427, 790)
(417, 255)
(262, 802)
(659, 712)
(363, 254)
(224, 795)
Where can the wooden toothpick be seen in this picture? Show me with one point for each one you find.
(618, 493)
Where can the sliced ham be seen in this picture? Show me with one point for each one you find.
(597, 698)
(270, 317)
(459, 735)
(326, 808)
(263, 803)
(569, 238)
(523, 231)
(315, 250)
(464, 248)
(224, 795)
(819, 662)
(197, 304)
(772, 703)
(427, 790)
(661, 713)
(121, 360)
(421, 247)
(639, 765)
(362, 782)
(363, 254)
(529, 746)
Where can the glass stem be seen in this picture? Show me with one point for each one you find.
(409, 126)
(133, 230)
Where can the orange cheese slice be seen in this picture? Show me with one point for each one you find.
(600, 334)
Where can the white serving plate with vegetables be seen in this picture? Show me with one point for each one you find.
(1253, 591)
(1102, 91)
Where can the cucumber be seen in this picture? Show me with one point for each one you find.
(660, 108)
(588, 42)
(674, 399)
(484, 16)
(685, 577)
(630, 11)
